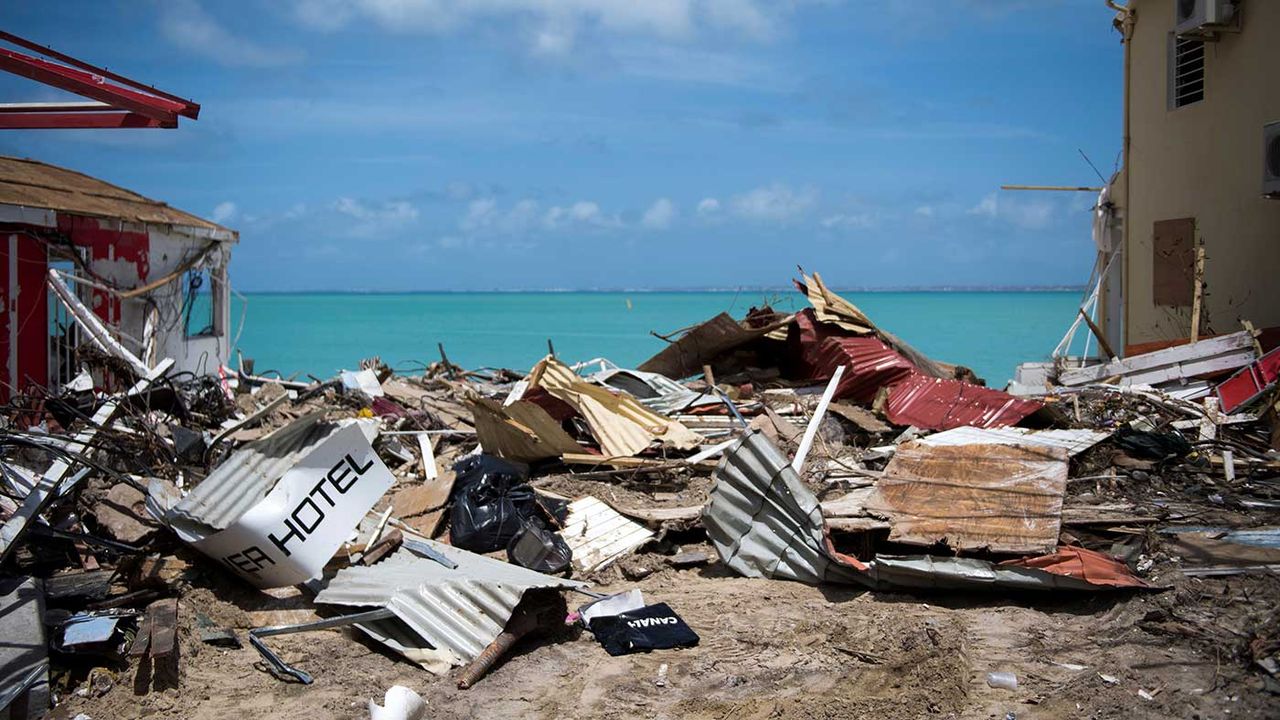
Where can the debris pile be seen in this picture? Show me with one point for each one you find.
(448, 516)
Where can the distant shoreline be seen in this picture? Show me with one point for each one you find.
(691, 291)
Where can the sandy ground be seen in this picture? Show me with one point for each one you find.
(769, 649)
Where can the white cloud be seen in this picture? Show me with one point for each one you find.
(223, 212)
(185, 24)
(1025, 214)
(925, 211)
(552, 25)
(848, 221)
(988, 206)
(708, 206)
(774, 202)
(581, 213)
(659, 215)
(375, 219)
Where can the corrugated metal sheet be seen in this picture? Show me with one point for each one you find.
(618, 421)
(1002, 498)
(687, 355)
(248, 474)
(763, 522)
(656, 392)
(519, 431)
(1073, 441)
(598, 535)
(936, 404)
(460, 609)
(1069, 568)
(870, 365)
(24, 654)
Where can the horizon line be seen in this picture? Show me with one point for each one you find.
(753, 288)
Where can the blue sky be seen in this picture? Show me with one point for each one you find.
(449, 145)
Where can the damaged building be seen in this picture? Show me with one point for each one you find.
(87, 263)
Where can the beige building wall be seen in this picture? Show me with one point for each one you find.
(1203, 161)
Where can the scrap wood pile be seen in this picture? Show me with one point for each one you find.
(445, 516)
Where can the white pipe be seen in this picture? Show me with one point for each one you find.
(811, 431)
(98, 332)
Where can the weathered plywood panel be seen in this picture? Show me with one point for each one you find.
(1005, 498)
(1173, 262)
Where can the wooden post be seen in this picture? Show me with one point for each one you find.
(1102, 341)
(709, 376)
(1197, 297)
(448, 366)
(551, 349)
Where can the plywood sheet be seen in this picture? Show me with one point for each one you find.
(1005, 498)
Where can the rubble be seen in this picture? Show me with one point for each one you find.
(444, 516)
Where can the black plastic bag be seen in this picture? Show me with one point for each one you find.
(491, 502)
(1152, 445)
(652, 627)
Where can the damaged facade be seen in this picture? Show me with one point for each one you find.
(1201, 168)
(154, 276)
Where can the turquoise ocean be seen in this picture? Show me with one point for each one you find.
(321, 333)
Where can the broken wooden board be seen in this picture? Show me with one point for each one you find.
(630, 462)
(848, 513)
(599, 535)
(1004, 498)
(1225, 352)
(863, 418)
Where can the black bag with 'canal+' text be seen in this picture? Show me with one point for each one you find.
(653, 627)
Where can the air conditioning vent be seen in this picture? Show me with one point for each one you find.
(1202, 18)
(1271, 160)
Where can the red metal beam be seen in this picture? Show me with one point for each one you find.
(80, 120)
(91, 86)
(191, 109)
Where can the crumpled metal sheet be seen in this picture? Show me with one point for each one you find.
(619, 422)
(703, 343)
(656, 392)
(460, 609)
(1073, 441)
(24, 654)
(1002, 498)
(763, 522)
(248, 474)
(938, 404)
(520, 431)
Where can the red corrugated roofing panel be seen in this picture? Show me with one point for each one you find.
(870, 363)
(936, 404)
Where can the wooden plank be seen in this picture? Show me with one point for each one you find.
(1198, 295)
(429, 469)
(628, 462)
(143, 638)
(163, 617)
(1213, 352)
